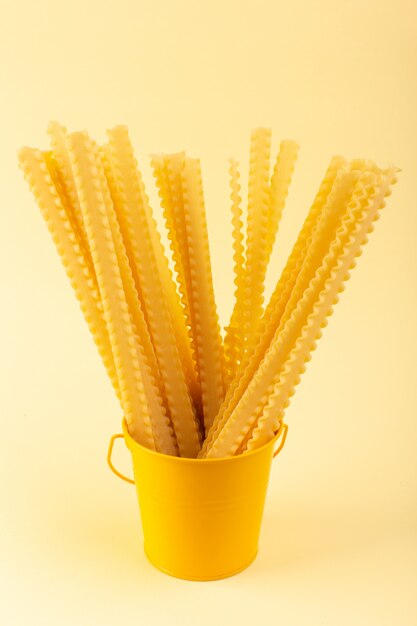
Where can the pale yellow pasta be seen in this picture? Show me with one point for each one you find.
(164, 436)
(58, 134)
(184, 391)
(276, 307)
(36, 170)
(175, 222)
(115, 309)
(135, 222)
(365, 197)
(273, 412)
(167, 173)
(278, 191)
(207, 338)
(257, 227)
(234, 337)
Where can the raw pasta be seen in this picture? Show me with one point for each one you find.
(183, 388)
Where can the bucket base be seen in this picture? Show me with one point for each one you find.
(200, 578)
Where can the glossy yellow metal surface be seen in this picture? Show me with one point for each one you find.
(201, 518)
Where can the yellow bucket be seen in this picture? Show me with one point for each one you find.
(201, 517)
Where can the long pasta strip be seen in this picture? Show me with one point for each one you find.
(116, 312)
(175, 222)
(134, 221)
(173, 301)
(233, 341)
(286, 282)
(306, 343)
(278, 191)
(279, 186)
(258, 222)
(59, 183)
(248, 308)
(174, 166)
(105, 157)
(168, 183)
(162, 429)
(34, 165)
(57, 134)
(324, 233)
(209, 348)
(277, 304)
(253, 401)
(336, 204)
(132, 288)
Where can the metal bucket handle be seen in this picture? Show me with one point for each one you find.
(281, 432)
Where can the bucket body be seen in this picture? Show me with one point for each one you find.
(201, 518)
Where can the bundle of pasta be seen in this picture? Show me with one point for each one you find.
(183, 390)
(333, 234)
(96, 208)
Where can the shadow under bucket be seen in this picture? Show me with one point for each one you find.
(201, 518)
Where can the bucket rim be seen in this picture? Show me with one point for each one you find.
(131, 443)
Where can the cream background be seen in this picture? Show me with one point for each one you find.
(339, 538)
